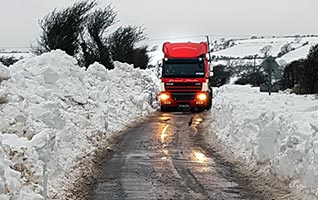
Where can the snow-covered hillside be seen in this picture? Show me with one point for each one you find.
(277, 133)
(240, 51)
(57, 112)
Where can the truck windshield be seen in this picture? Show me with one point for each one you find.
(179, 68)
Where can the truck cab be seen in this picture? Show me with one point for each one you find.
(185, 77)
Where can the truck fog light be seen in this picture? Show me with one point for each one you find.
(166, 102)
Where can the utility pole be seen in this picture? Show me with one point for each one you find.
(270, 75)
(209, 49)
(255, 62)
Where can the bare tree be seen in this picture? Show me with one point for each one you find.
(285, 49)
(297, 39)
(266, 50)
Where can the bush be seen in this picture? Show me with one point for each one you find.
(256, 79)
(7, 61)
(221, 76)
(302, 75)
(310, 81)
(253, 78)
(293, 74)
(243, 80)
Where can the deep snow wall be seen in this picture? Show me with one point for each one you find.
(277, 133)
(56, 110)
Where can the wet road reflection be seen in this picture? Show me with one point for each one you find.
(196, 120)
(165, 158)
(163, 134)
(199, 157)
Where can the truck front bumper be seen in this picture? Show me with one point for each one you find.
(184, 100)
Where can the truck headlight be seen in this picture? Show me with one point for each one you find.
(202, 97)
(164, 96)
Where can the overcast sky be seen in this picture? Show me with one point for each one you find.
(173, 18)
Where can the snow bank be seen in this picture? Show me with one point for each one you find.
(4, 72)
(55, 112)
(278, 133)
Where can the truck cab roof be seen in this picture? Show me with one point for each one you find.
(185, 50)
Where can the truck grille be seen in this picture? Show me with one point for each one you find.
(183, 87)
(177, 96)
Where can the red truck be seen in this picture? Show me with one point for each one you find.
(185, 77)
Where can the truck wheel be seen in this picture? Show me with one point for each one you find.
(164, 109)
(198, 110)
(209, 105)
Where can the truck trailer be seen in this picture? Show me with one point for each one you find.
(185, 77)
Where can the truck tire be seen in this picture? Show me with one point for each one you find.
(164, 109)
(209, 105)
(198, 110)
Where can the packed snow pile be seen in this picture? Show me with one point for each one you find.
(55, 110)
(278, 133)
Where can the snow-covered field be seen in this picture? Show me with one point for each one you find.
(250, 47)
(57, 113)
(18, 56)
(17, 53)
(277, 133)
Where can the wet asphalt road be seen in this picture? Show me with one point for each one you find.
(166, 158)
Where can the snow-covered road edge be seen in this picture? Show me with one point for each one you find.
(59, 112)
(274, 134)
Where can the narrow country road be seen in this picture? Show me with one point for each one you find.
(166, 158)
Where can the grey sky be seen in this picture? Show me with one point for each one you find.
(173, 18)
